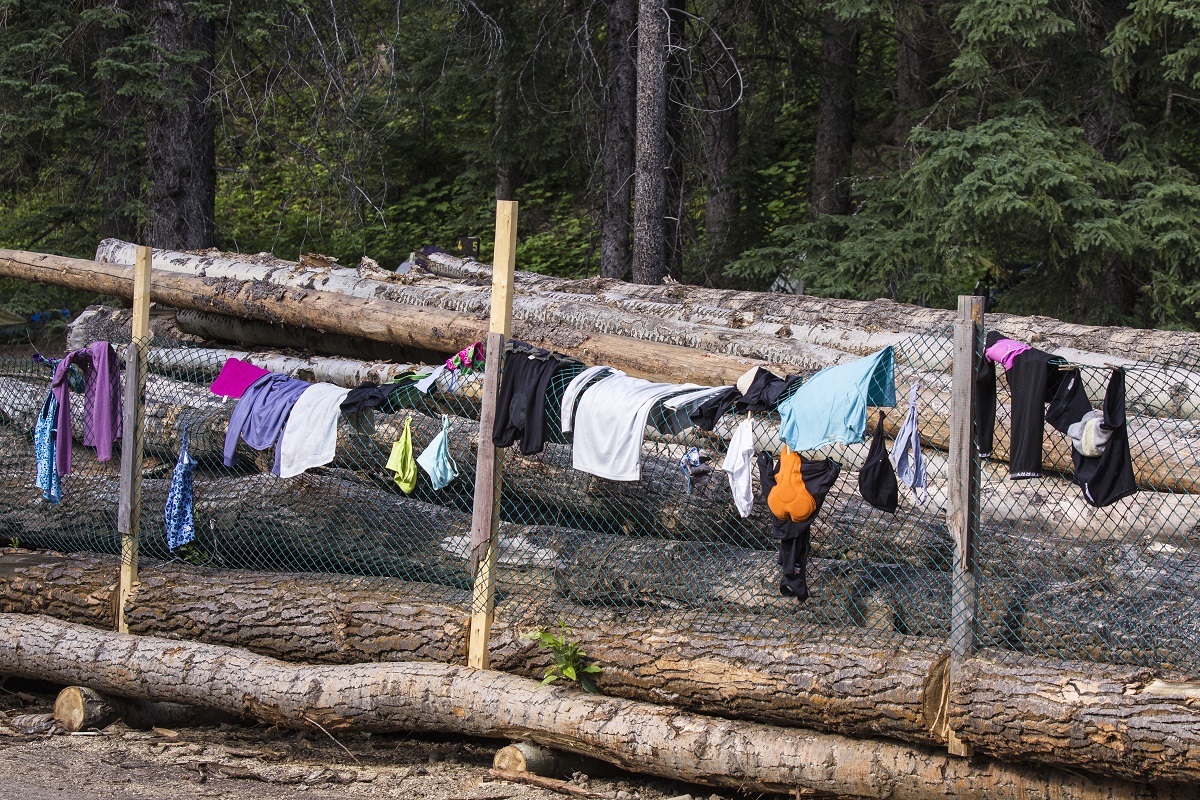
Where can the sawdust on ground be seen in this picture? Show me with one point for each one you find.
(260, 763)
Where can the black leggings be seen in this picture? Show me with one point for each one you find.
(521, 403)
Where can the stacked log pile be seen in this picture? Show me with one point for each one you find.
(1123, 722)
(575, 546)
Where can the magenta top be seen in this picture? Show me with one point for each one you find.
(235, 378)
(1004, 351)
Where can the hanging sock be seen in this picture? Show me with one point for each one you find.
(401, 461)
(435, 459)
(180, 508)
(906, 452)
(44, 448)
(739, 467)
(877, 478)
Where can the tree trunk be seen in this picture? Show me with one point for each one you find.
(180, 144)
(652, 160)
(916, 66)
(413, 696)
(121, 164)
(722, 133)
(675, 193)
(829, 191)
(79, 708)
(620, 103)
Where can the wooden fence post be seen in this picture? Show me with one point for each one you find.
(963, 506)
(129, 504)
(485, 517)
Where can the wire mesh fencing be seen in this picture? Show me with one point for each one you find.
(85, 517)
(1055, 576)
(1118, 583)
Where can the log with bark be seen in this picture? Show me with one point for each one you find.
(775, 328)
(376, 319)
(426, 697)
(416, 696)
(1134, 722)
(78, 708)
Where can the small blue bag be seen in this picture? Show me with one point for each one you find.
(435, 459)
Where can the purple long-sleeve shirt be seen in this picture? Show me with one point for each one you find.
(101, 402)
(261, 412)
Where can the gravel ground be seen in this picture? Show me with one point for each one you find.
(260, 763)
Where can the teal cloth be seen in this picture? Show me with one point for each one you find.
(831, 406)
(436, 460)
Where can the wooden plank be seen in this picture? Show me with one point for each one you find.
(962, 512)
(129, 501)
(485, 514)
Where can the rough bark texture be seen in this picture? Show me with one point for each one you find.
(738, 323)
(619, 134)
(416, 696)
(375, 319)
(1104, 719)
(916, 66)
(650, 185)
(179, 144)
(828, 191)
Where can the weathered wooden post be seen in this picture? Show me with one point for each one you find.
(962, 513)
(485, 517)
(129, 504)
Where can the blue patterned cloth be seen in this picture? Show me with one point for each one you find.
(181, 527)
(44, 448)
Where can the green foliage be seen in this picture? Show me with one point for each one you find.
(570, 662)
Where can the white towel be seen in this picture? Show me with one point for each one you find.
(739, 467)
(310, 434)
(610, 423)
(573, 390)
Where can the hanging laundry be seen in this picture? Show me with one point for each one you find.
(235, 377)
(469, 359)
(761, 389)
(180, 508)
(694, 464)
(906, 451)
(1004, 351)
(101, 402)
(310, 433)
(675, 415)
(739, 467)
(705, 415)
(877, 478)
(436, 460)
(260, 414)
(831, 406)
(44, 447)
(1069, 404)
(426, 382)
(401, 460)
(817, 477)
(576, 388)
(521, 403)
(610, 423)
(985, 400)
(1108, 477)
(361, 401)
(1034, 380)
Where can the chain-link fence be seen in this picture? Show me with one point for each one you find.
(1056, 576)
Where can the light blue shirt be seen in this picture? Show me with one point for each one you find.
(831, 406)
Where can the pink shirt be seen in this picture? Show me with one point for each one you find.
(235, 378)
(1004, 351)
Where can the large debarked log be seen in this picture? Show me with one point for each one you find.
(1106, 720)
(440, 698)
(379, 320)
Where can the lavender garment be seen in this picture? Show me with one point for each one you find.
(261, 412)
(1005, 351)
(101, 402)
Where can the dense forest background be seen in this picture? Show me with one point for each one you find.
(1045, 151)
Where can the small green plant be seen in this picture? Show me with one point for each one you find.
(14, 542)
(569, 661)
